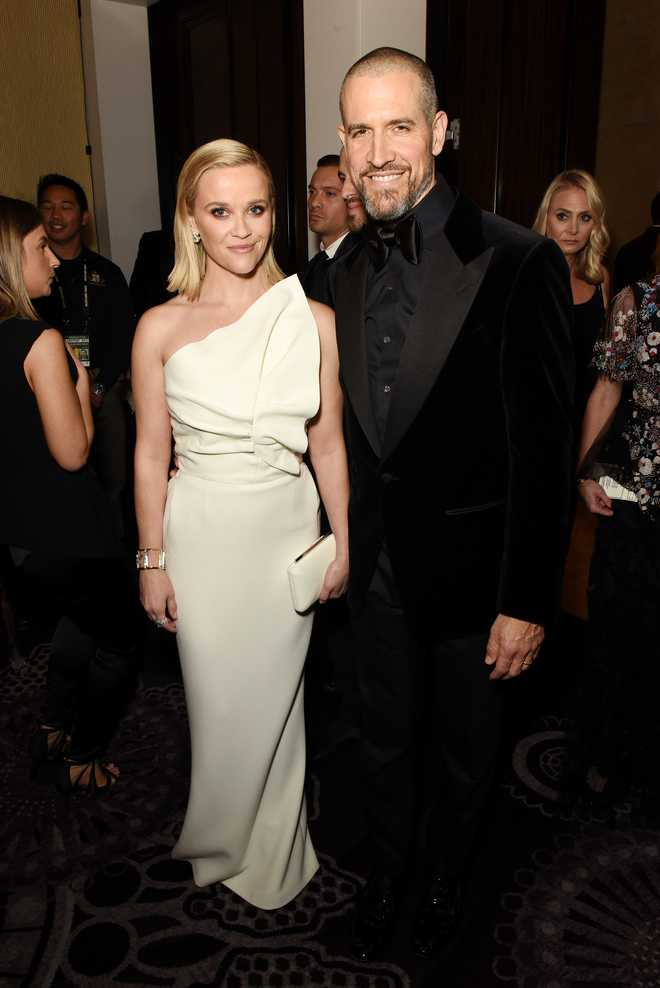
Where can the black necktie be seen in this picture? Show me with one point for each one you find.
(382, 237)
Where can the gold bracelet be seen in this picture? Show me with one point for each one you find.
(142, 558)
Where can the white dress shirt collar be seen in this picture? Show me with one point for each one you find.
(334, 246)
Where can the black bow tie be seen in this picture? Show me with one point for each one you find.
(382, 237)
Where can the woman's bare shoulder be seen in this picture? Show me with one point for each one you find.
(324, 317)
(50, 337)
(157, 323)
(320, 311)
(48, 343)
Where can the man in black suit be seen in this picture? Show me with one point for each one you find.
(455, 353)
(151, 271)
(328, 219)
(634, 260)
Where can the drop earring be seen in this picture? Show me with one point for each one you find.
(197, 237)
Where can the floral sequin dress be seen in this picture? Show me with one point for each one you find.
(630, 354)
(622, 693)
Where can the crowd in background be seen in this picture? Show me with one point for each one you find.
(96, 311)
(85, 299)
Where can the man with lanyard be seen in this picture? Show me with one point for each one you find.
(90, 304)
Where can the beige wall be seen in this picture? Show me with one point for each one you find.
(628, 152)
(336, 35)
(41, 95)
(121, 122)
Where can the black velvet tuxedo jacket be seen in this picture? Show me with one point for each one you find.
(471, 484)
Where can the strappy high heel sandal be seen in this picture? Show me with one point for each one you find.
(47, 744)
(87, 780)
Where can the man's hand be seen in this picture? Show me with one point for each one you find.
(512, 646)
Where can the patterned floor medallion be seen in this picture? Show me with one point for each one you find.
(93, 898)
(539, 777)
(586, 914)
(45, 834)
(140, 921)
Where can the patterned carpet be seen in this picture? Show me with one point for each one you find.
(559, 897)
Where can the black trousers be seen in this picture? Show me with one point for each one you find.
(430, 728)
(92, 660)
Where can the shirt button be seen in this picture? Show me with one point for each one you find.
(387, 389)
(387, 339)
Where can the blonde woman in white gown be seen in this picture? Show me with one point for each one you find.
(242, 369)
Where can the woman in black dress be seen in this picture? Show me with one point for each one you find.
(572, 213)
(54, 516)
(621, 441)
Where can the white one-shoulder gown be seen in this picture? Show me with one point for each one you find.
(242, 506)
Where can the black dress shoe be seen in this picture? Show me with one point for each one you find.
(438, 916)
(375, 916)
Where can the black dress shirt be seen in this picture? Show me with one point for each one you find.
(391, 299)
(98, 306)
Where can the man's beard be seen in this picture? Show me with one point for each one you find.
(386, 205)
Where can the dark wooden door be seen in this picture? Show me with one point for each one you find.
(524, 79)
(233, 68)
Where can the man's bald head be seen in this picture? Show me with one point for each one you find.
(380, 61)
(392, 130)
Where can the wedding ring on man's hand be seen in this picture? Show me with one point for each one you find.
(158, 622)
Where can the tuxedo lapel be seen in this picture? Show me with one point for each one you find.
(315, 276)
(350, 241)
(447, 293)
(349, 311)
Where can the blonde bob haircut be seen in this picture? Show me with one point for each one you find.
(189, 268)
(589, 263)
(17, 219)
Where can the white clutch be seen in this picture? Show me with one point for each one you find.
(614, 490)
(307, 571)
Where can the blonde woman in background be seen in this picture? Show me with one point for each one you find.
(244, 371)
(572, 213)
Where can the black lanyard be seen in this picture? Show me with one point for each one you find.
(66, 318)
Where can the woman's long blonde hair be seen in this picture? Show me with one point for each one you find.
(189, 268)
(17, 219)
(589, 263)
